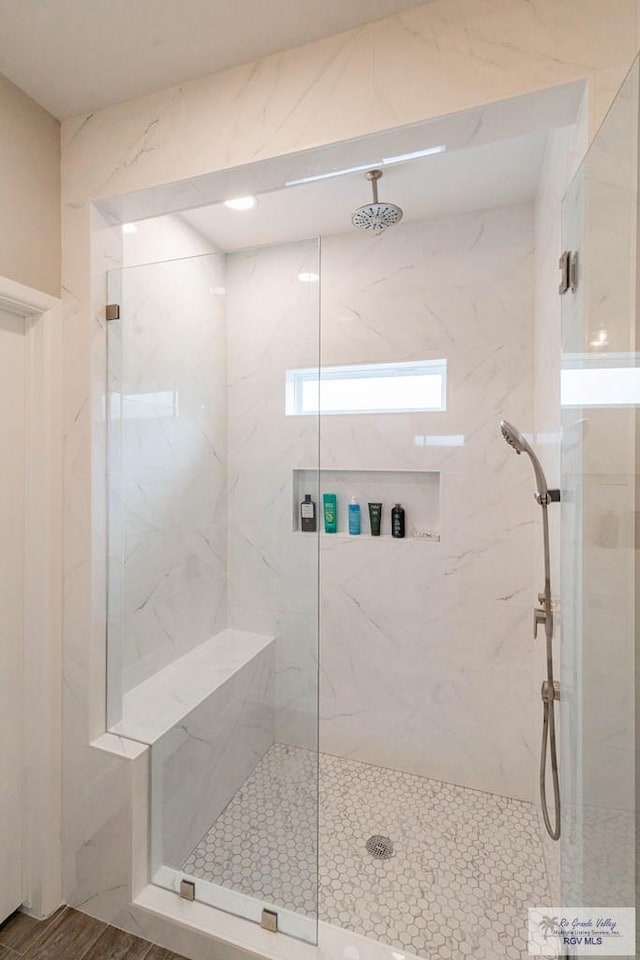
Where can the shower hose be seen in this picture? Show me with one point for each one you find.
(549, 744)
(549, 694)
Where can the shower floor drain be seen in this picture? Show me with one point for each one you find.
(380, 848)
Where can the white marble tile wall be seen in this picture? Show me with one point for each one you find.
(421, 64)
(163, 238)
(273, 325)
(169, 486)
(425, 647)
(199, 764)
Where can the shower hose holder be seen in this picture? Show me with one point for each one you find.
(551, 496)
(550, 691)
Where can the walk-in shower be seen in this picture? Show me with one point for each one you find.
(222, 603)
(543, 614)
(324, 703)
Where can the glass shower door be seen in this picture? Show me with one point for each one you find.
(213, 587)
(600, 446)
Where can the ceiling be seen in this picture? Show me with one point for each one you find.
(76, 56)
(496, 174)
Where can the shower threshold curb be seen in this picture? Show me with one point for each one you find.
(245, 940)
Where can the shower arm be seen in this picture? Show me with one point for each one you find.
(374, 176)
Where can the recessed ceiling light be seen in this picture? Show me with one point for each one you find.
(241, 203)
(306, 277)
(129, 228)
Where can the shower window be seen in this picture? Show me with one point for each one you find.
(368, 388)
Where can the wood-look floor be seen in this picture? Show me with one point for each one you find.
(71, 935)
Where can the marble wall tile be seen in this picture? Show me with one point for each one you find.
(424, 646)
(170, 406)
(167, 237)
(273, 325)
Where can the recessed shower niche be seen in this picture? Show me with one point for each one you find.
(417, 491)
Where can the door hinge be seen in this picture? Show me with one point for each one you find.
(269, 920)
(187, 890)
(568, 264)
(112, 311)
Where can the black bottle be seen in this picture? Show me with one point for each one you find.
(397, 521)
(308, 519)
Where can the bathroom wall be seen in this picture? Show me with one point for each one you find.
(162, 238)
(425, 647)
(29, 191)
(438, 58)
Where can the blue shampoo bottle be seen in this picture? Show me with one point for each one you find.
(354, 517)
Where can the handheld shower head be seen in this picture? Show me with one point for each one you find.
(515, 439)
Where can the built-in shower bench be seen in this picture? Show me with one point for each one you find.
(209, 718)
(162, 701)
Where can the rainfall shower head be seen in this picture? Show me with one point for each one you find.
(515, 439)
(376, 216)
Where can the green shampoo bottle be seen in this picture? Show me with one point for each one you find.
(330, 510)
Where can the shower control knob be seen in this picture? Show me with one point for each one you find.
(539, 617)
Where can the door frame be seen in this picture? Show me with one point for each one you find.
(42, 655)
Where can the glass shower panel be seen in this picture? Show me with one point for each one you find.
(167, 471)
(600, 391)
(213, 588)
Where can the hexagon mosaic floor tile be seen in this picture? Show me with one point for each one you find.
(462, 870)
(265, 841)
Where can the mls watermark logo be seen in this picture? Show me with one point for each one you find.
(582, 931)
